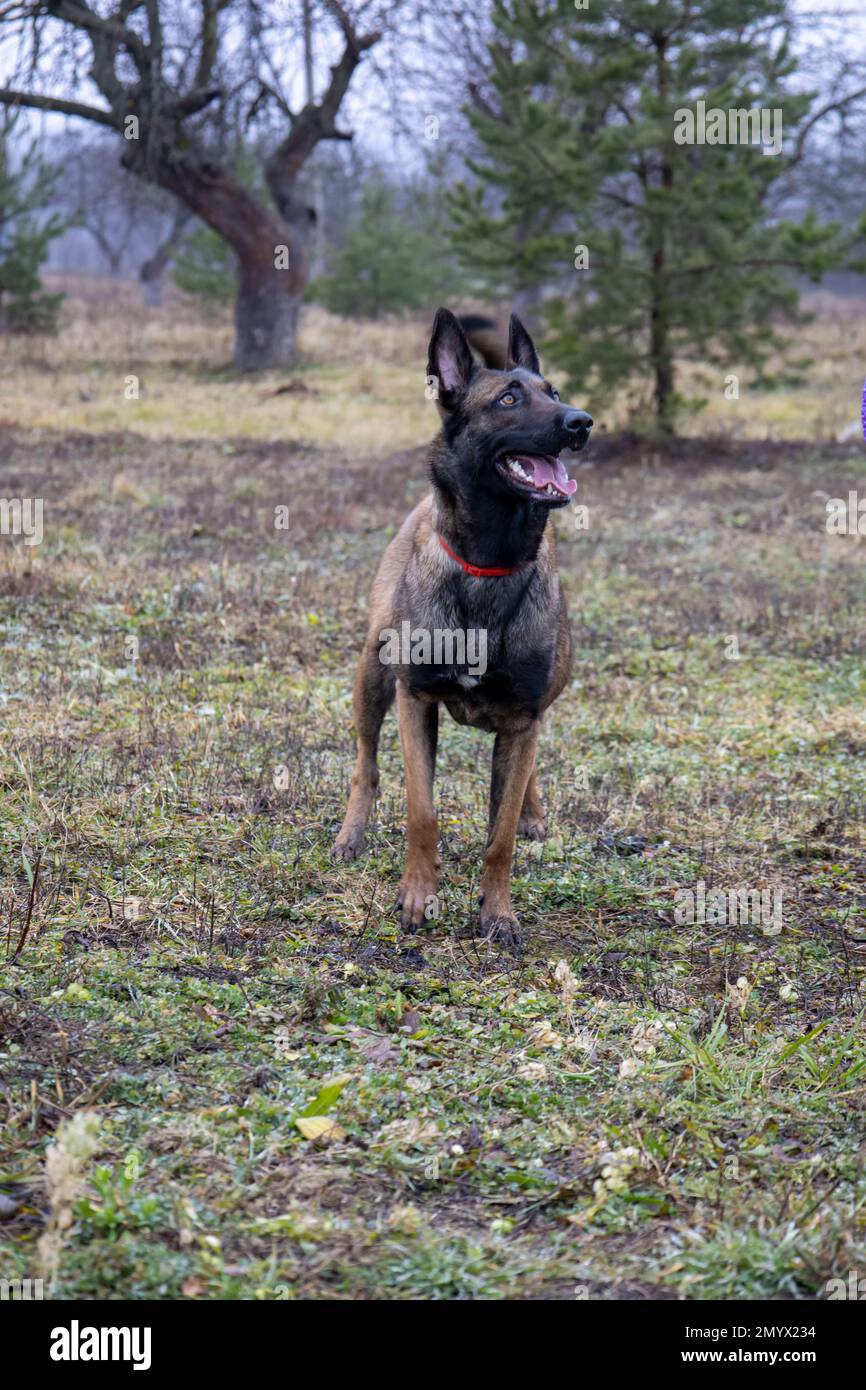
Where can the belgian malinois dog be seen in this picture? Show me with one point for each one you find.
(476, 556)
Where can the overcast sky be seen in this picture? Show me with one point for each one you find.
(365, 110)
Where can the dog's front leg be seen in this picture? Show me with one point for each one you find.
(532, 823)
(513, 762)
(419, 723)
(374, 691)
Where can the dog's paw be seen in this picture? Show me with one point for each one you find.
(532, 827)
(502, 931)
(348, 844)
(416, 900)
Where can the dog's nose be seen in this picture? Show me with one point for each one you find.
(577, 420)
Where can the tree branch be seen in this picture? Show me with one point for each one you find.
(80, 16)
(8, 97)
(839, 104)
(210, 12)
(317, 120)
(194, 102)
(156, 264)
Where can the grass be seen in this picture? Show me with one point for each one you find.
(291, 1098)
(359, 386)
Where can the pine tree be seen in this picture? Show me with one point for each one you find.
(26, 233)
(649, 247)
(205, 268)
(393, 258)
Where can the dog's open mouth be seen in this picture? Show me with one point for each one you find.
(543, 476)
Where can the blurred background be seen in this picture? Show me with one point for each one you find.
(200, 191)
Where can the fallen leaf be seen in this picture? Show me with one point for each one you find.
(408, 1134)
(319, 1127)
(328, 1096)
(379, 1050)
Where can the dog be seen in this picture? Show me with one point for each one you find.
(476, 555)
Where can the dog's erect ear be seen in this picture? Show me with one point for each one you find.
(521, 348)
(449, 357)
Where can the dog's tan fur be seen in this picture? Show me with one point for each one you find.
(525, 613)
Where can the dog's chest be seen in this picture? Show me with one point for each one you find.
(507, 694)
(492, 716)
(485, 651)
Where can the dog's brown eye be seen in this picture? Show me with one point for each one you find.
(508, 399)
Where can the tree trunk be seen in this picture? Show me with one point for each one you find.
(266, 323)
(272, 259)
(317, 192)
(660, 353)
(152, 271)
(660, 327)
(271, 280)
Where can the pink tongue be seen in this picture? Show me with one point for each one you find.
(549, 470)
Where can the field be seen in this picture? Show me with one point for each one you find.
(259, 1087)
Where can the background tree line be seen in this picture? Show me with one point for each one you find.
(521, 151)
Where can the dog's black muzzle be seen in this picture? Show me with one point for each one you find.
(576, 425)
(567, 429)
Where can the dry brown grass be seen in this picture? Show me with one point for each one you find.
(357, 386)
(823, 405)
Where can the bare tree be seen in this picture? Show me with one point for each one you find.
(120, 212)
(152, 271)
(166, 75)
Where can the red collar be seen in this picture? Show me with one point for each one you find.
(479, 571)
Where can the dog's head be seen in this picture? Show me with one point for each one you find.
(505, 429)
